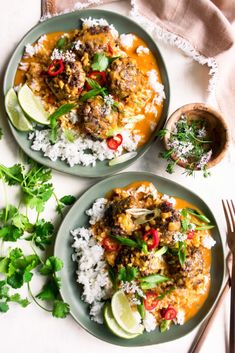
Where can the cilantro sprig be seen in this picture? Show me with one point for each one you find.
(17, 269)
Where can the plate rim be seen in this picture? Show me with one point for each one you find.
(65, 168)
(150, 174)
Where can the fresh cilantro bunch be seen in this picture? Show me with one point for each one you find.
(16, 268)
(34, 183)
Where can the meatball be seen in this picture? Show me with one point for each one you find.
(192, 272)
(124, 77)
(69, 83)
(96, 39)
(97, 118)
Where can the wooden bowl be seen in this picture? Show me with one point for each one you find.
(216, 126)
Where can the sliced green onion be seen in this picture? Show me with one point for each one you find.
(161, 251)
(205, 227)
(154, 279)
(136, 212)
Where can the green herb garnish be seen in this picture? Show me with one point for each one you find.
(125, 241)
(182, 251)
(100, 62)
(189, 143)
(165, 325)
(62, 110)
(141, 309)
(128, 273)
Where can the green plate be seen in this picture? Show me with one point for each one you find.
(68, 22)
(71, 291)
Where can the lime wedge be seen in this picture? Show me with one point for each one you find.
(124, 315)
(113, 325)
(32, 106)
(15, 113)
(123, 158)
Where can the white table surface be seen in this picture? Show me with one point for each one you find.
(33, 330)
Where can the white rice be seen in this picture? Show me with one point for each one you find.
(179, 237)
(208, 242)
(96, 212)
(132, 288)
(78, 45)
(167, 198)
(96, 312)
(83, 150)
(92, 270)
(31, 50)
(90, 22)
(149, 322)
(156, 86)
(126, 40)
(180, 318)
(67, 55)
(142, 50)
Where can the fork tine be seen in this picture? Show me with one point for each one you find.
(231, 214)
(226, 217)
(233, 207)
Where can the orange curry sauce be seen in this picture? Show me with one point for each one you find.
(145, 62)
(191, 310)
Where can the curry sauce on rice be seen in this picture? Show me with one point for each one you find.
(114, 82)
(154, 248)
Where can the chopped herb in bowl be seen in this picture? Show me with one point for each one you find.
(195, 138)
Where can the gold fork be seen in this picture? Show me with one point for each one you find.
(229, 212)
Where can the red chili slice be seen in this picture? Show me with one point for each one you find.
(169, 313)
(151, 238)
(110, 49)
(190, 234)
(98, 76)
(110, 244)
(114, 142)
(56, 67)
(151, 301)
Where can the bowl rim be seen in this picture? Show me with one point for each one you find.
(203, 107)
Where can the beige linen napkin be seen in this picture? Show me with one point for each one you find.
(205, 24)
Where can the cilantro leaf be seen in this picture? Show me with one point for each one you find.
(52, 264)
(16, 280)
(4, 307)
(10, 233)
(50, 290)
(1, 133)
(66, 200)
(128, 273)
(42, 234)
(60, 309)
(100, 62)
(4, 263)
(16, 298)
(20, 221)
(12, 175)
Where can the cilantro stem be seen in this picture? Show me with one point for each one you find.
(2, 248)
(35, 252)
(6, 201)
(35, 300)
(58, 204)
(196, 139)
